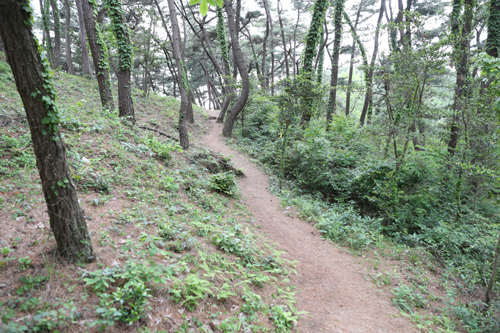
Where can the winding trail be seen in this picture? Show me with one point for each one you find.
(331, 288)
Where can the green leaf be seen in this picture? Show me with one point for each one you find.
(204, 7)
(220, 3)
(211, 2)
(194, 2)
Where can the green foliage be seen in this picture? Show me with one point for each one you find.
(120, 30)
(313, 35)
(190, 290)
(282, 318)
(125, 304)
(221, 37)
(223, 182)
(406, 298)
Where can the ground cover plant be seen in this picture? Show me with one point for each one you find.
(175, 248)
(432, 215)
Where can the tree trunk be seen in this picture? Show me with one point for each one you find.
(493, 274)
(83, 40)
(69, 60)
(181, 74)
(99, 54)
(493, 39)
(44, 9)
(337, 21)
(283, 40)
(34, 83)
(351, 63)
(368, 97)
(462, 54)
(120, 29)
(57, 34)
(309, 53)
(242, 69)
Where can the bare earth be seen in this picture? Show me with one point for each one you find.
(331, 287)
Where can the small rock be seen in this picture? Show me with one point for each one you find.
(21, 219)
(2, 285)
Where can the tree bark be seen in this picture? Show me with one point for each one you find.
(33, 81)
(46, 28)
(57, 34)
(462, 53)
(493, 39)
(283, 40)
(368, 97)
(351, 63)
(493, 274)
(69, 60)
(85, 52)
(99, 55)
(242, 69)
(181, 74)
(309, 53)
(120, 29)
(337, 21)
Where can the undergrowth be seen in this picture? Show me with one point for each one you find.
(175, 248)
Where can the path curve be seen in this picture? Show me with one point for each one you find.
(331, 287)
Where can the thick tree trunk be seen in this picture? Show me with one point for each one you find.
(99, 55)
(493, 39)
(242, 69)
(181, 74)
(462, 54)
(337, 21)
(85, 52)
(69, 60)
(33, 81)
(120, 29)
(368, 97)
(351, 63)
(309, 53)
(57, 34)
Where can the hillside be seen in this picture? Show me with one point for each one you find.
(176, 252)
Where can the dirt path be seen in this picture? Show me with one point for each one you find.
(331, 286)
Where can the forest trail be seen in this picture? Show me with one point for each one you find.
(331, 287)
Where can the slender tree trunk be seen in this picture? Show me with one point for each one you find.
(44, 9)
(181, 74)
(462, 53)
(283, 40)
(69, 60)
(34, 83)
(351, 63)
(264, 46)
(239, 62)
(147, 56)
(368, 97)
(57, 34)
(83, 41)
(99, 54)
(120, 29)
(337, 21)
(493, 274)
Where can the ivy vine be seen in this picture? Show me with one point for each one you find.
(313, 35)
(120, 30)
(221, 36)
(493, 41)
(45, 22)
(103, 58)
(49, 97)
